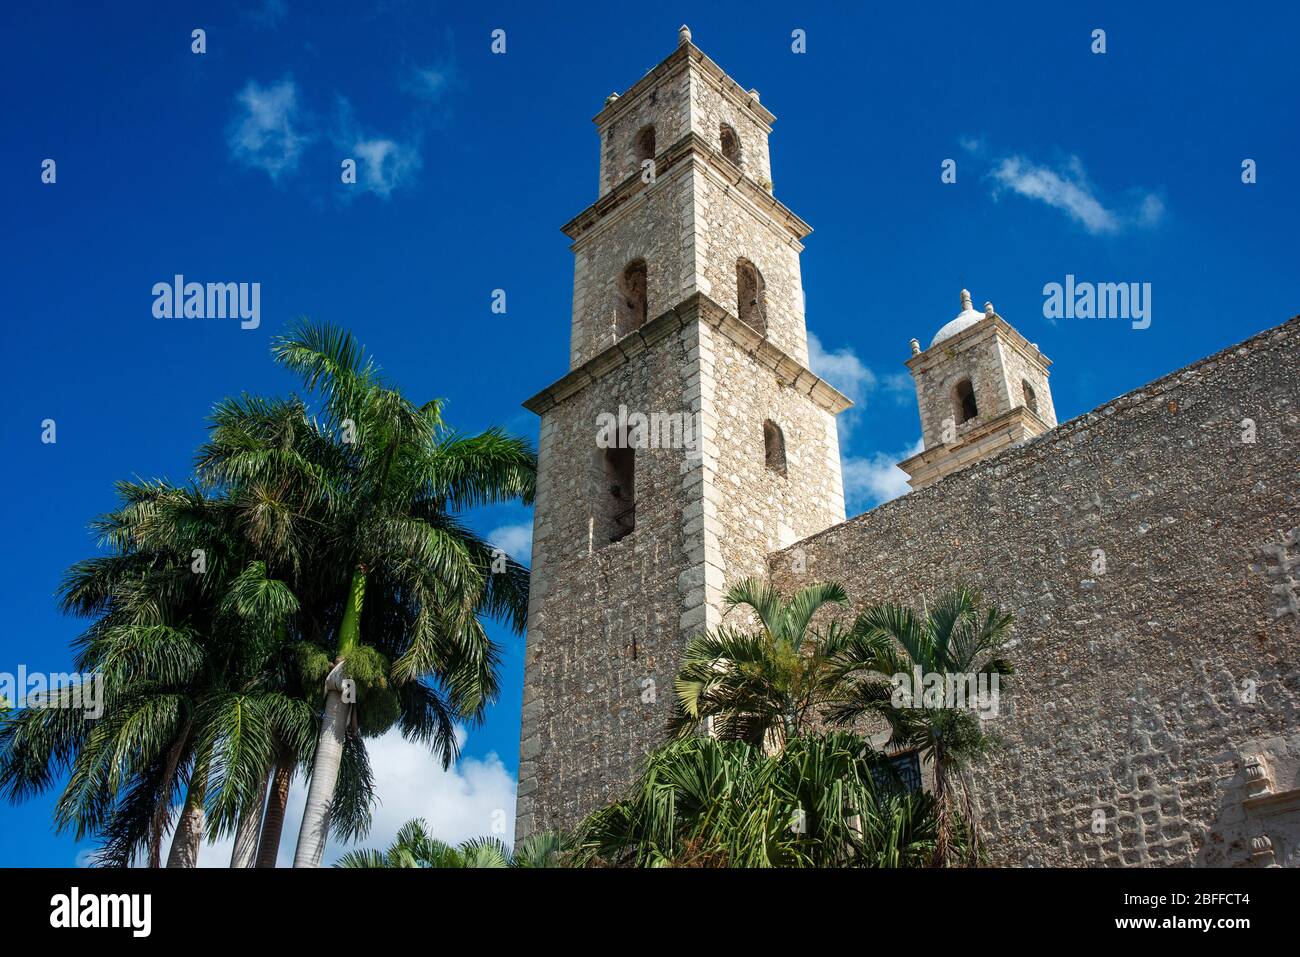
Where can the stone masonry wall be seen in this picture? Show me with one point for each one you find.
(658, 226)
(760, 509)
(665, 105)
(604, 619)
(1152, 688)
(728, 229)
(1017, 368)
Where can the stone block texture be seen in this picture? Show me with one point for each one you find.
(608, 618)
(1149, 550)
(1146, 685)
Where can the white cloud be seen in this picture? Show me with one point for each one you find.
(263, 134)
(876, 478)
(517, 540)
(383, 163)
(473, 798)
(429, 83)
(841, 368)
(1069, 190)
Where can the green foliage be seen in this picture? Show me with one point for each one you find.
(705, 802)
(762, 685)
(416, 847)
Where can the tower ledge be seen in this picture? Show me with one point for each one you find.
(698, 307)
(685, 54)
(695, 148)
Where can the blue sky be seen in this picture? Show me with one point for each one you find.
(1117, 167)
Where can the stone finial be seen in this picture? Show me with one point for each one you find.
(965, 300)
(1261, 851)
(683, 35)
(1257, 777)
(916, 348)
(754, 94)
(988, 310)
(611, 98)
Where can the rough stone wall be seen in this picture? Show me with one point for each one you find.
(602, 621)
(728, 229)
(657, 225)
(760, 509)
(1018, 368)
(665, 105)
(1133, 699)
(710, 108)
(993, 365)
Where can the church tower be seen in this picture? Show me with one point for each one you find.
(981, 387)
(688, 439)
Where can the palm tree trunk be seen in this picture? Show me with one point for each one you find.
(163, 810)
(334, 728)
(941, 813)
(324, 774)
(250, 823)
(268, 848)
(188, 838)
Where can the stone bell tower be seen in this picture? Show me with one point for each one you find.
(688, 438)
(981, 387)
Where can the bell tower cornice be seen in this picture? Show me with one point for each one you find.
(691, 151)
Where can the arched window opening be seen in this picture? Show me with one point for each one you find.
(1031, 400)
(631, 298)
(773, 447)
(964, 401)
(616, 515)
(751, 300)
(730, 144)
(645, 144)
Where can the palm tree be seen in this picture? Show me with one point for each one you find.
(366, 496)
(955, 637)
(823, 801)
(763, 686)
(416, 847)
(183, 651)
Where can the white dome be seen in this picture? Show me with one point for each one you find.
(964, 320)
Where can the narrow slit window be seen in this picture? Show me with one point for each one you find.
(751, 297)
(630, 298)
(773, 447)
(730, 144)
(964, 401)
(645, 144)
(1031, 400)
(616, 517)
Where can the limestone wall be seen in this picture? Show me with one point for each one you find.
(604, 619)
(729, 228)
(1147, 685)
(656, 225)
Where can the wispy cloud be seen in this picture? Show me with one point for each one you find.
(1069, 190)
(873, 478)
(515, 540)
(843, 369)
(430, 82)
(383, 163)
(876, 478)
(264, 133)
